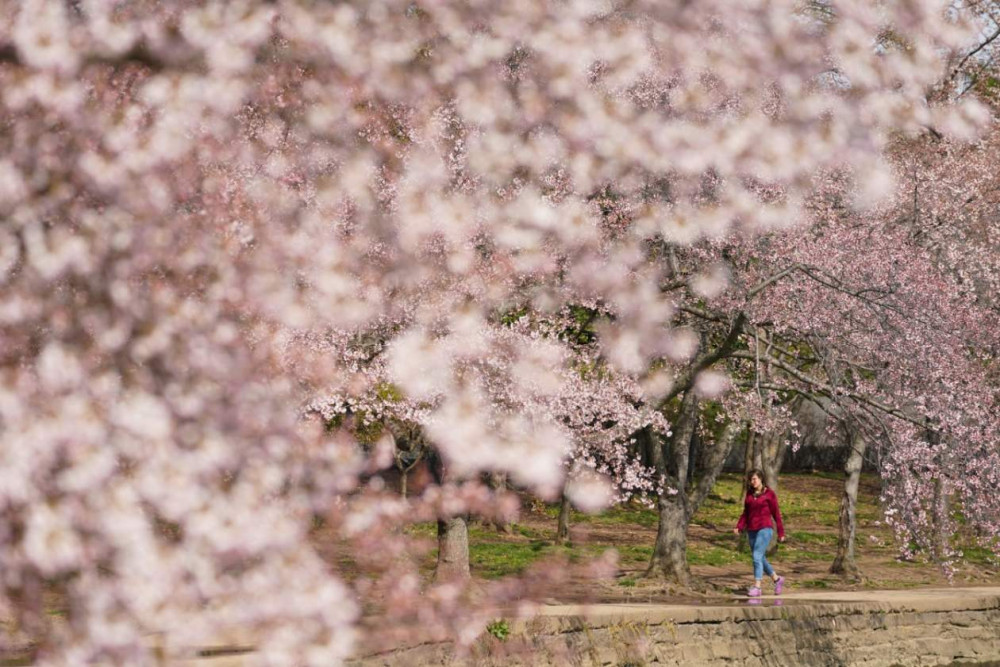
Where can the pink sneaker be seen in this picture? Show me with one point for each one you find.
(754, 592)
(778, 585)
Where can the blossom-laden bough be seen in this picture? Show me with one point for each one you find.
(190, 190)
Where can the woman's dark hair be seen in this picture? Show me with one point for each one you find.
(760, 474)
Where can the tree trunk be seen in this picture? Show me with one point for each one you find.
(453, 534)
(773, 449)
(939, 515)
(453, 550)
(675, 511)
(669, 559)
(844, 563)
(498, 482)
(562, 529)
(694, 456)
(748, 453)
(754, 457)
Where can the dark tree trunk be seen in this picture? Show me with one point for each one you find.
(748, 454)
(694, 456)
(844, 563)
(453, 535)
(409, 451)
(772, 454)
(939, 515)
(753, 459)
(562, 528)
(453, 550)
(669, 559)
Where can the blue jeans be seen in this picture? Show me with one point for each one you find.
(759, 540)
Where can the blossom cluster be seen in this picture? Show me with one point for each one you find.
(193, 194)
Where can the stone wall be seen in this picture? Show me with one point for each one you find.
(902, 629)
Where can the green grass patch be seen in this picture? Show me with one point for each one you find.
(980, 556)
(813, 583)
(829, 539)
(628, 582)
(633, 553)
(698, 555)
(427, 529)
(499, 559)
(793, 555)
(632, 513)
(876, 584)
(499, 628)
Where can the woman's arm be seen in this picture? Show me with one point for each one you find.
(772, 503)
(742, 523)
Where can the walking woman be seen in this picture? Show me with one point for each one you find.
(759, 506)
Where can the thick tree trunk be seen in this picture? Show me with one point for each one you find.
(409, 451)
(694, 456)
(562, 528)
(844, 563)
(773, 449)
(669, 559)
(453, 550)
(754, 457)
(453, 535)
(498, 482)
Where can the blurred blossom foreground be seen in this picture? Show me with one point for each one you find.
(254, 255)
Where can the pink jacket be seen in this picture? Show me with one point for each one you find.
(758, 510)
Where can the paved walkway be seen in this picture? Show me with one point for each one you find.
(916, 599)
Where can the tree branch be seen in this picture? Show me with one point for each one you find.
(834, 391)
(716, 459)
(686, 379)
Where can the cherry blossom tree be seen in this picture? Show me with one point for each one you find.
(856, 313)
(197, 196)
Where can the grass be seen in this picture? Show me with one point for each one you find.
(699, 555)
(810, 505)
(497, 559)
(980, 555)
(493, 555)
(806, 537)
(633, 514)
(499, 628)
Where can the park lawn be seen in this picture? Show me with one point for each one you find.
(810, 504)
